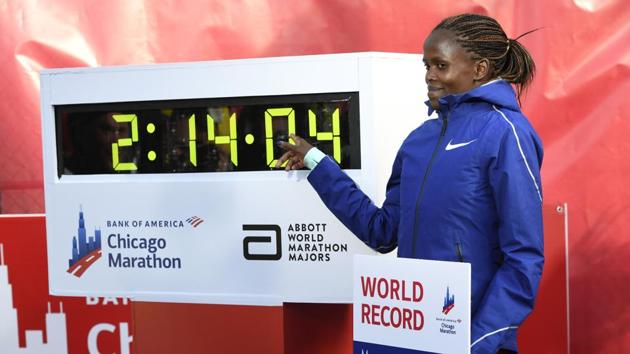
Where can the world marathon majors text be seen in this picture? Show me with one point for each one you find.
(305, 245)
(151, 260)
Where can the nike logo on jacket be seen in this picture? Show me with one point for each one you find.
(451, 146)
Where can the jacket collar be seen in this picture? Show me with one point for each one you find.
(497, 92)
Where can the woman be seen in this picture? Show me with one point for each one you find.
(464, 187)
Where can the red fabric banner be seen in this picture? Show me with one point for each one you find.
(575, 103)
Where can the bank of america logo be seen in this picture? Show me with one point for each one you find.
(449, 302)
(194, 221)
(85, 249)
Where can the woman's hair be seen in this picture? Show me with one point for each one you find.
(483, 37)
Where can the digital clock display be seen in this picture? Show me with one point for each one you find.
(203, 135)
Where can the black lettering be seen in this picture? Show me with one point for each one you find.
(115, 262)
(264, 239)
(109, 241)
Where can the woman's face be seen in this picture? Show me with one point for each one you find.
(450, 68)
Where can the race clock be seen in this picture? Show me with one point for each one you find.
(159, 179)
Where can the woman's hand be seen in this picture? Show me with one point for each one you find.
(294, 155)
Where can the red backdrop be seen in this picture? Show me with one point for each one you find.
(575, 103)
(23, 241)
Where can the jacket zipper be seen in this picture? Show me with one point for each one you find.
(424, 181)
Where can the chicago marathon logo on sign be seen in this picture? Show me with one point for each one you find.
(86, 249)
(449, 325)
(449, 302)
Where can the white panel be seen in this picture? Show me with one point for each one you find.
(412, 304)
(213, 266)
(231, 78)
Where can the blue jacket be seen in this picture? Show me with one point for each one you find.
(464, 187)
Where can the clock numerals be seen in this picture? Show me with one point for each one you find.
(192, 140)
(225, 139)
(269, 139)
(326, 136)
(230, 134)
(125, 142)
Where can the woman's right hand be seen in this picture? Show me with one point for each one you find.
(294, 155)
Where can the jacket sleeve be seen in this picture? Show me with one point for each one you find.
(514, 176)
(376, 227)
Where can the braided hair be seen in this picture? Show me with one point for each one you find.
(483, 37)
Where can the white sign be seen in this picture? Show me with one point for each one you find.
(257, 236)
(406, 305)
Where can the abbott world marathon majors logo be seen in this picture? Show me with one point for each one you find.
(126, 247)
(307, 242)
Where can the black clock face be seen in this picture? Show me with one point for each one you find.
(203, 135)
